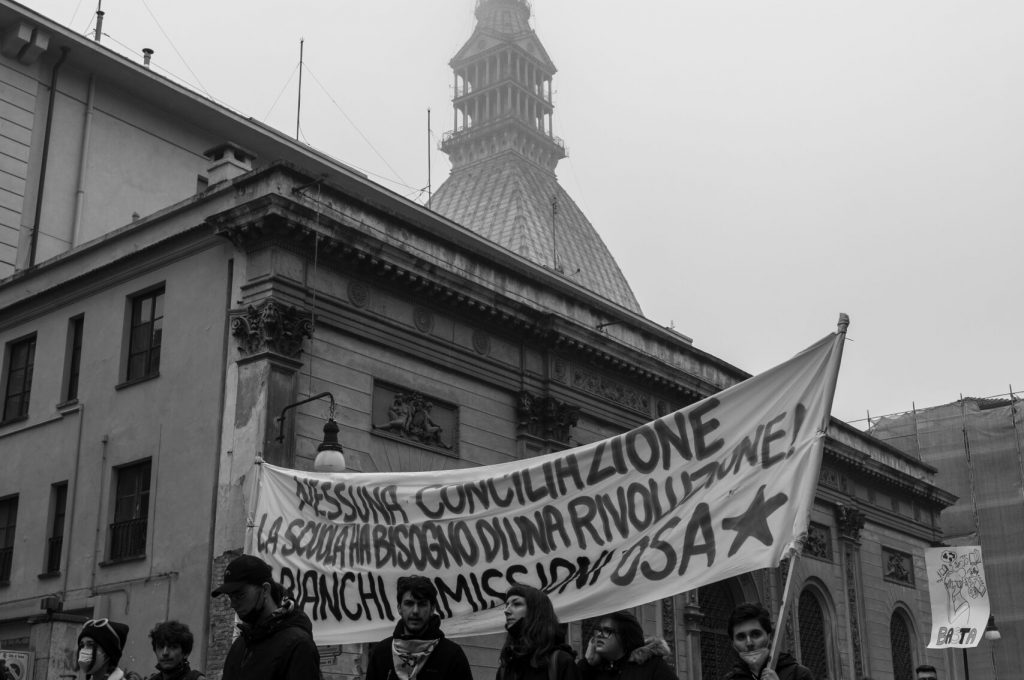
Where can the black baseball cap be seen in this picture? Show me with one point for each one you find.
(243, 571)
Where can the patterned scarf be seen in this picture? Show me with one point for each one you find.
(410, 655)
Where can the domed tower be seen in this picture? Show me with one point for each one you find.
(503, 153)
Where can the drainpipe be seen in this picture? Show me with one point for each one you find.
(83, 159)
(34, 237)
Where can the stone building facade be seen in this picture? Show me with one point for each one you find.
(156, 339)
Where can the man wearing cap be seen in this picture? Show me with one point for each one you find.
(418, 650)
(100, 645)
(276, 640)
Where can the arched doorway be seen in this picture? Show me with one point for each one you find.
(814, 637)
(899, 642)
(716, 655)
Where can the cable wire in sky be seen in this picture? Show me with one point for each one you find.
(350, 121)
(173, 47)
(279, 94)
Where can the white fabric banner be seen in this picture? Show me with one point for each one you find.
(719, 488)
(959, 596)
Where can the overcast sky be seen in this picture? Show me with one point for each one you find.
(756, 168)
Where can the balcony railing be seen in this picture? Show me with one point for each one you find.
(128, 539)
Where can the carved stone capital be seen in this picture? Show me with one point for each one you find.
(546, 417)
(271, 327)
(850, 521)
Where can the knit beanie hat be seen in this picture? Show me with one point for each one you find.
(110, 636)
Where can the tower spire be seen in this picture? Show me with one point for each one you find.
(503, 91)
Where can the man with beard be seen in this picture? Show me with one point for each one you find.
(276, 640)
(750, 629)
(172, 643)
(418, 650)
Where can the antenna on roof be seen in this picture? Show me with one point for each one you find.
(428, 157)
(298, 108)
(99, 21)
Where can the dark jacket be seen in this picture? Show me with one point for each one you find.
(521, 667)
(646, 662)
(787, 668)
(182, 672)
(280, 648)
(446, 662)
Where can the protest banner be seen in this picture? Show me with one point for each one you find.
(959, 596)
(716, 489)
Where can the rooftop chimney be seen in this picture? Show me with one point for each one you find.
(147, 54)
(228, 161)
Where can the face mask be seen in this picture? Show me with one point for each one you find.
(756, 658)
(85, 657)
(254, 614)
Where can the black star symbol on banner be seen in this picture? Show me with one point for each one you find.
(754, 522)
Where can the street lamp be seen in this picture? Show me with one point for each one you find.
(991, 633)
(330, 456)
(991, 630)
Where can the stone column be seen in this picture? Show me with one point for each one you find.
(850, 521)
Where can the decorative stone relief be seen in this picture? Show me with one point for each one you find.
(559, 370)
(611, 390)
(414, 417)
(850, 552)
(358, 293)
(851, 521)
(546, 417)
(481, 342)
(831, 478)
(819, 541)
(668, 626)
(271, 327)
(424, 319)
(897, 566)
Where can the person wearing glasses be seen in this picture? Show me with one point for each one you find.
(100, 646)
(750, 629)
(617, 650)
(535, 646)
(276, 640)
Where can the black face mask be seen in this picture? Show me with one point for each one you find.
(256, 613)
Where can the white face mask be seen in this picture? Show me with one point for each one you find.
(85, 657)
(755, 658)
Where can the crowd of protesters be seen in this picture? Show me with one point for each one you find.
(275, 641)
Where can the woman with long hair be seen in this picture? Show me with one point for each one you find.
(535, 646)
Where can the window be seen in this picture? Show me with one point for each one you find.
(813, 641)
(716, 651)
(131, 512)
(55, 542)
(21, 356)
(8, 521)
(144, 335)
(73, 362)
(899, 643)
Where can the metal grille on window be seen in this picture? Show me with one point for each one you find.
(899, 642)
(716, 653)
(813, 650)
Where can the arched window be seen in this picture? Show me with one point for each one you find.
(716, 655)
(813, 638)
(899, 642)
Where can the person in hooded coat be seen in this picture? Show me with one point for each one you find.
(535, 646)
(617, 650)
(276, 638)
(417, 650)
